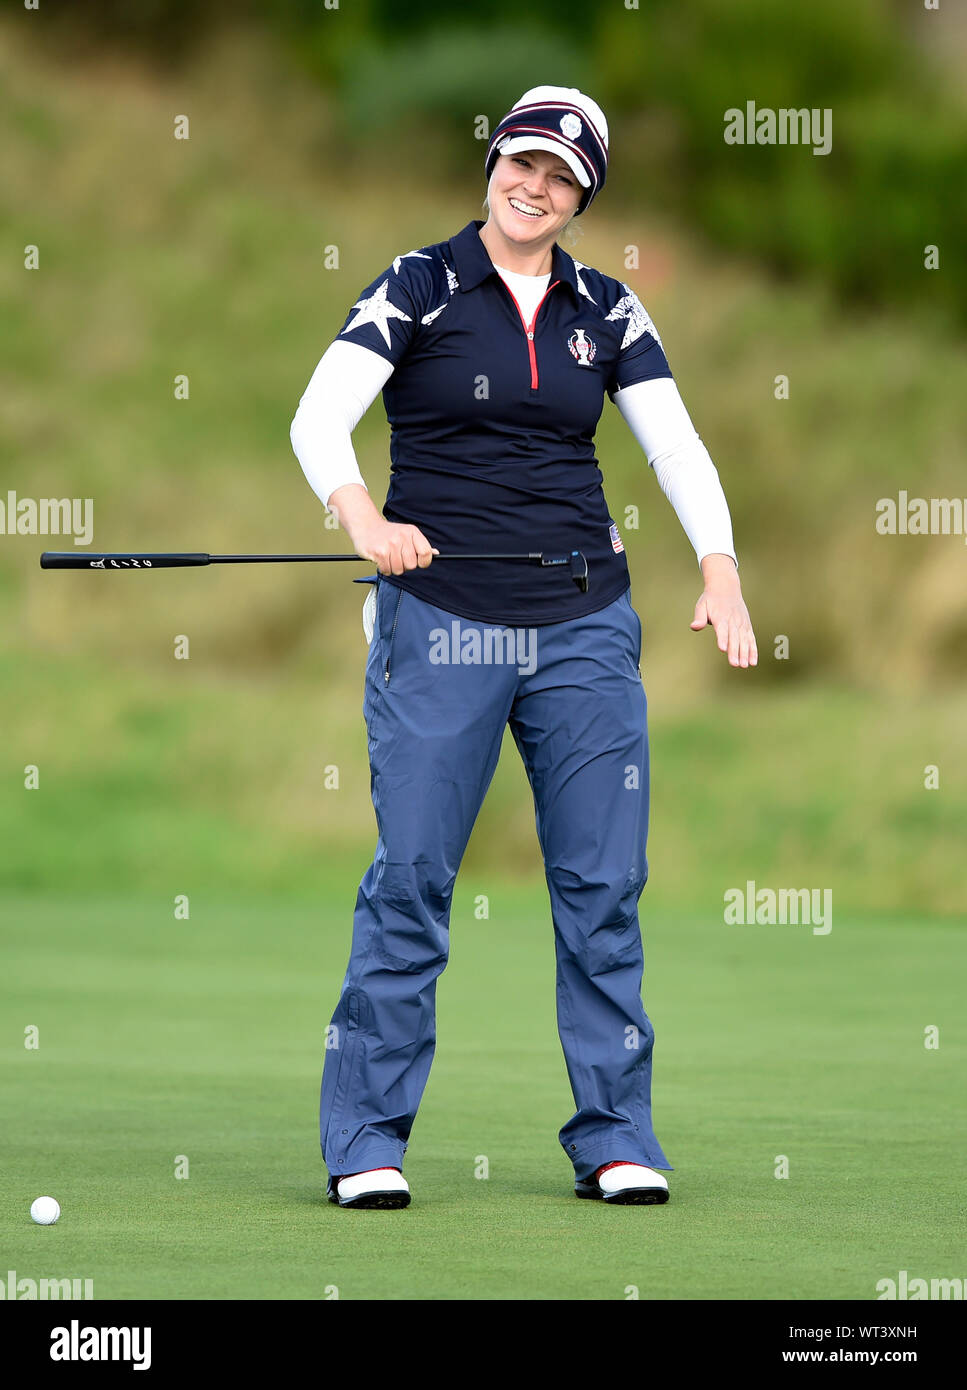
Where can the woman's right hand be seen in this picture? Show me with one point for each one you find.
(393, 546)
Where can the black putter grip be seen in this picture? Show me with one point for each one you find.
(75, 560)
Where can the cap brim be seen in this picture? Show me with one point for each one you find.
(514, 144)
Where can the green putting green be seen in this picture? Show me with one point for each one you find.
(163, 1040)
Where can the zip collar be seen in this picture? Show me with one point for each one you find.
(473, 264)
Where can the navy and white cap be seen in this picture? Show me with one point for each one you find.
(564, 121)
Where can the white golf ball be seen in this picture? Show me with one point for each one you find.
(45, 1211)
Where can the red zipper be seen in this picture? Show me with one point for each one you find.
(529, 327)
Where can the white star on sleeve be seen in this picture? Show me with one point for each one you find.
(452, 284)
(398, 259)
(631, 308)
(378, 310)
(578, 267)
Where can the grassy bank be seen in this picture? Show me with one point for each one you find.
(207, 257)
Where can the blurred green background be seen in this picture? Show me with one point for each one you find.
(354, 128)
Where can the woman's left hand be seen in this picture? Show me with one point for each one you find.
(722, 607)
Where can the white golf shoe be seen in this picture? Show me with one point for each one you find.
(379, 1188)
(624, 1184)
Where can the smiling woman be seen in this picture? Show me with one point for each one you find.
(494, 351)
(531, 199)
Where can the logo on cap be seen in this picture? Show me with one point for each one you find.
(570, 126)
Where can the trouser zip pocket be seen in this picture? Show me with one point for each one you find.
(392, 634)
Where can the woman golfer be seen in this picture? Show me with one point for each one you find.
(494, 351)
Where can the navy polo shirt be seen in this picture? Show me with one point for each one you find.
(493, 420)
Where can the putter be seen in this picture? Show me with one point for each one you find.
(162, 560)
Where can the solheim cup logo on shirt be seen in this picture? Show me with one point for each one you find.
(570, 126)
(582, 347)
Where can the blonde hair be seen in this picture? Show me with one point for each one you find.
(571, 232)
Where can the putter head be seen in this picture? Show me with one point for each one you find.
(579, 570)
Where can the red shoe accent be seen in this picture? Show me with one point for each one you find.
(618, 1163)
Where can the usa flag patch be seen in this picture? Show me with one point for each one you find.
(617, 544)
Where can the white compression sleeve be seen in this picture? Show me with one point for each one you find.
(344, 385)
(656, 415)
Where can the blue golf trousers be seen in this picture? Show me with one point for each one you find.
(439, 692)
